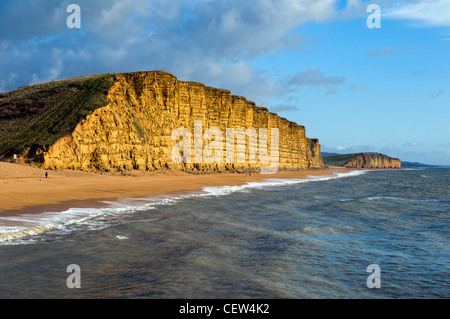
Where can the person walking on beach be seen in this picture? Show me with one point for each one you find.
(46, 174)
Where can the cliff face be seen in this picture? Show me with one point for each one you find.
(373, 160)
(36, 116)
(136, 130)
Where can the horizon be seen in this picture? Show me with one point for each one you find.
(317, 63)
(332, 154)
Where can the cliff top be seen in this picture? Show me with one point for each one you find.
(41, 114)
(342, 159)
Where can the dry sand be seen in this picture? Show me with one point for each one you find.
(25, 189)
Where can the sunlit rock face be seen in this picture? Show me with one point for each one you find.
(135, 130)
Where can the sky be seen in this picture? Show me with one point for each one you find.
(315, 62)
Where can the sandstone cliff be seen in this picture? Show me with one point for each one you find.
(363, 160)
(135, 129)
(374, 160)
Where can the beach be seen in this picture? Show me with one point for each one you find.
(25, 189)
(312, 237)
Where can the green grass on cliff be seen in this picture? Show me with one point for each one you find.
(338, 160)
(52, 111)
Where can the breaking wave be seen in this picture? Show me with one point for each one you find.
(27, 226)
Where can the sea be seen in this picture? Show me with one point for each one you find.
(377, 234)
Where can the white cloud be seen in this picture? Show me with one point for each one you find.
(201, 40)
(359, 87)
(51, 72)
(283, 108)
(349, 149)
(315, 78)
(412, 144)
(354, 8)
(424, 12)
(381, 52)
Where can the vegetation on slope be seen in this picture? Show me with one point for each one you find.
(338, 160)
(416, 165)
(51, 110)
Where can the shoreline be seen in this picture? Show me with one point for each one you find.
(26, 190)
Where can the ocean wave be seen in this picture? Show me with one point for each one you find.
(401, 199)
(20, 233)
(320, 230)
(99, 218)
(275, 182)
(327, 230)
(36, 224)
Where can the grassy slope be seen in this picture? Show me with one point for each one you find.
(62, 116)
(416, 164)
(338, 160)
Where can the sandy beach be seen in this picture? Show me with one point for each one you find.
(25, 189)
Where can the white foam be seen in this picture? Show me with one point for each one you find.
(274, 182)
(34, 224)
(390, 198)
(16, 234)
(97, 218)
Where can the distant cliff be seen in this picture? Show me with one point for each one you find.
(362, 160)
(126, 121)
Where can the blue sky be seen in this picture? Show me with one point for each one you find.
(315, 62)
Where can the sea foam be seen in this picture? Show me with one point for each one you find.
(29, 225)
(274, 182)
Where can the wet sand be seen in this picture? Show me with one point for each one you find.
(24, 189)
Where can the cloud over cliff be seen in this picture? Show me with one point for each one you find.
(188, 37)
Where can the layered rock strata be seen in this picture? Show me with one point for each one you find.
(136, 130)
(373, 160)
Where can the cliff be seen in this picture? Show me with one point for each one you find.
(34, 117)
(374, 160)
(362, 160)
(130, 121)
